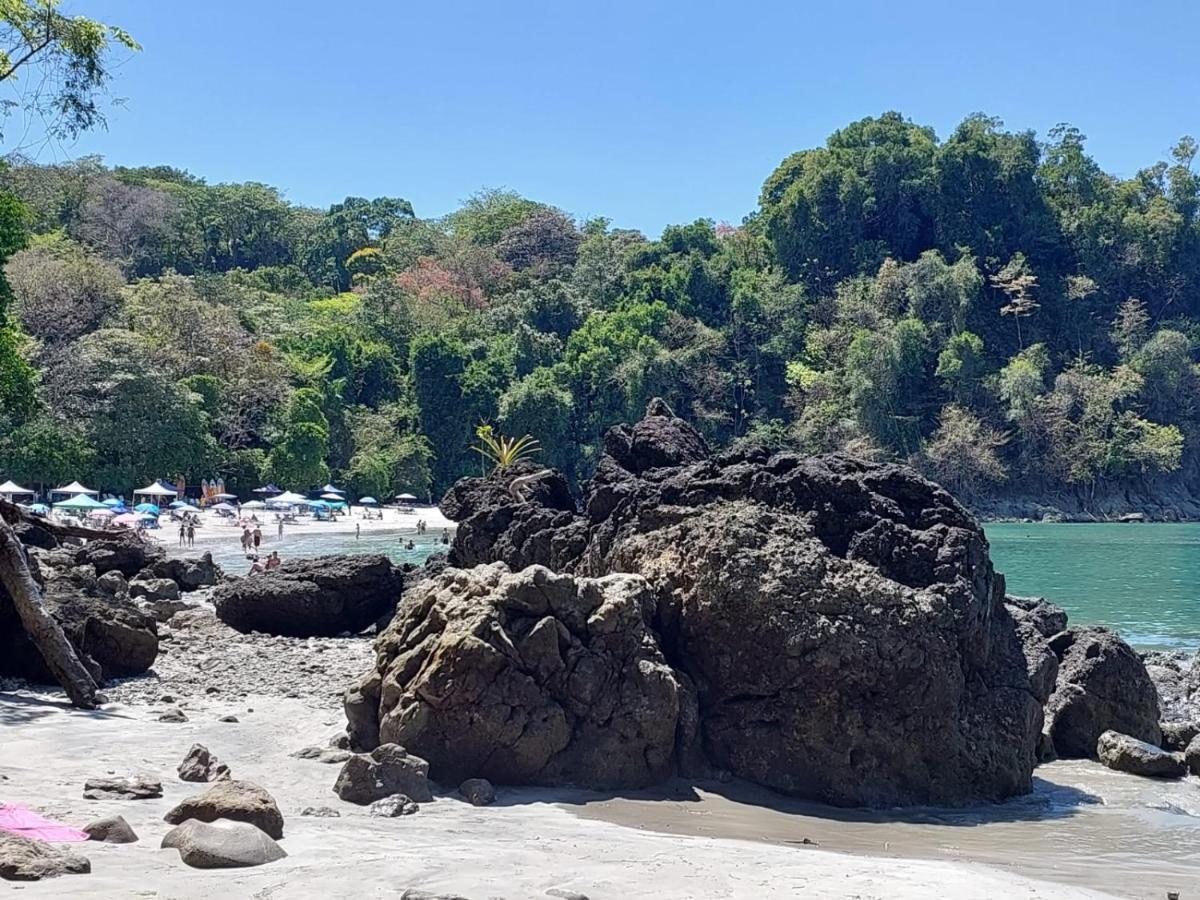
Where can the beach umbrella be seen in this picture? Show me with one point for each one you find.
(100, 513)
(330, 489)
(74, 488)
(39, 508)
(127, 519)
(113, 502)
(149, 508)
(289, 497)
(367, 501)
(405, 497)
(337, 498)
(223, 507)
(80, 501)
(179, 504)
(225, 496)
(268, 489)
(254, 504)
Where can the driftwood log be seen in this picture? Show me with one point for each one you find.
(41, 627)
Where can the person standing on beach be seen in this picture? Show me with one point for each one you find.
(191, 533)
(257, 537)
(280, 520)
(182, 532)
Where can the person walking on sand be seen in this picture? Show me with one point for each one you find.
(279, 519)
(257, 537)
(245, 540)
(191, 533)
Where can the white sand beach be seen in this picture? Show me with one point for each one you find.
(522, 847)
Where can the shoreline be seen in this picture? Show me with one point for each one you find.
(530, 842)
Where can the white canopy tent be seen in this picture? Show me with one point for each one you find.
(74, 489)
(286, 498)
(10, 489)
(155, 490)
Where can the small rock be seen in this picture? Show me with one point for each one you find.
(386, 770)
(323, 754)
(223, 845)
(321, 812)
(228, 719)
(392, 807)
(174, 714)
(201, 765)
(111, 830)
(478, 791)
(138, 788)
(565, 894)
(241, 801)
(24, 859)
(1127, 754)
(1191, 756)
(166, 698)
(413, 894)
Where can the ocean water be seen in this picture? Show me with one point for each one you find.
(1141, 579)
(227, 552)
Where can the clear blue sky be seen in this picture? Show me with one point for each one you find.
(648, 113)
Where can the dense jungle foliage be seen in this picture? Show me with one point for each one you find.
(993, 308)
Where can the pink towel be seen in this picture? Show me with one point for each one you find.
(27, 823)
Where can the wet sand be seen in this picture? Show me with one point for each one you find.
(1083, 825)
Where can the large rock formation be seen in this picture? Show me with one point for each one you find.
(530, 678)
(825, 626)
(1102, 686)
(320, 597)
(112, 637)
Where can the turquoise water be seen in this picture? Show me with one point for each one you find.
(1141, 579)
(227, 553)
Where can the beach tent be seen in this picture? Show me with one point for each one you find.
(367, 501)
(336, 498)
(80, 501)
(289, 497)
(74, 488)
(11, 489)
(148, 508)
(268, 489)
(156, 490)
(330, 489)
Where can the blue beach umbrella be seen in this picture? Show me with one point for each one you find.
(113, 502)
(148, 508)
(367, 501)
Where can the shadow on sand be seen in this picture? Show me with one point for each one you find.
(1046, 802)
(20, 709)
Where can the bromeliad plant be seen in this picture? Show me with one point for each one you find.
(503, 451)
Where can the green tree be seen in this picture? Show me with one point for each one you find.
(298, 457)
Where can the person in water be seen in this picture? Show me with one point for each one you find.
(257, 537)
(410, 546)
(357, 530)
(273, 561)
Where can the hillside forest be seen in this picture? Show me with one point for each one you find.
(990, 307)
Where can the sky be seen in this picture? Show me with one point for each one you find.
(648, 113)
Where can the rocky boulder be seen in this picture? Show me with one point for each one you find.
(321, 597)
(530, 678)
(112, 636)
(25, 859)
(125, 553)
(1128, 754)
(388, 769)
(241, 801)
(111, 830)
(200, 765)
(153, 589)
(189, 574)
(222, 845)
(1102, 686)
(828, 627)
